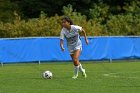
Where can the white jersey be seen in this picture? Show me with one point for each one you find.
(72, 37)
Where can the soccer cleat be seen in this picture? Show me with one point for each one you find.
(75, 77)
(84, 73)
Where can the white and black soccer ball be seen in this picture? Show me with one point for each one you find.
(47, 74)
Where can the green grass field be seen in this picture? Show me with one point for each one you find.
(103, 77)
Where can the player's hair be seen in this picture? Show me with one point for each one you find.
(67, 19)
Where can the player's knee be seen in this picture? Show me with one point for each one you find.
(75, 60)
(75, 64)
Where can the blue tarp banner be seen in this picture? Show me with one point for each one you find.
(48, 49)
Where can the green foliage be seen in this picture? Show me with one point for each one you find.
(101, 22)
(127, 23)
(99, 12)
(6, 13)
(32, 8)
(133, 7)
(124, 25)
(42, 26)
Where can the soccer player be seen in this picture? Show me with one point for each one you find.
(74, 44)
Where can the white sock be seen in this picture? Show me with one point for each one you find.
(76, 70)
(81, 68)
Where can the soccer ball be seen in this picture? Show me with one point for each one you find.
(47, 74)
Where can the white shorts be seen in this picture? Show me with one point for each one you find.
(71, 51)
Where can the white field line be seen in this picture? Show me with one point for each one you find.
(115, 75)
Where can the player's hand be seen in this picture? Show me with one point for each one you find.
(63, 49)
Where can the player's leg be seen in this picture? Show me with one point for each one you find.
(77, 63)
(75, 57)
(76, 67)
(82, 70)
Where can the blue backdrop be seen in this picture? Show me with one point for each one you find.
(47, 49)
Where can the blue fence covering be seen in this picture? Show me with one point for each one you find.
(48, 49)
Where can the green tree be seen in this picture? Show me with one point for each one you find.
(32, 8)
(6, 13)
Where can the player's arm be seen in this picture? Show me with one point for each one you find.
(62, 44)
(84, 34)
(62, 40)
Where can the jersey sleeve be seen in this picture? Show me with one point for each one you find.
(78, 27)
(62, 35)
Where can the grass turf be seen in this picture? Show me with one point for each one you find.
(103, 77)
